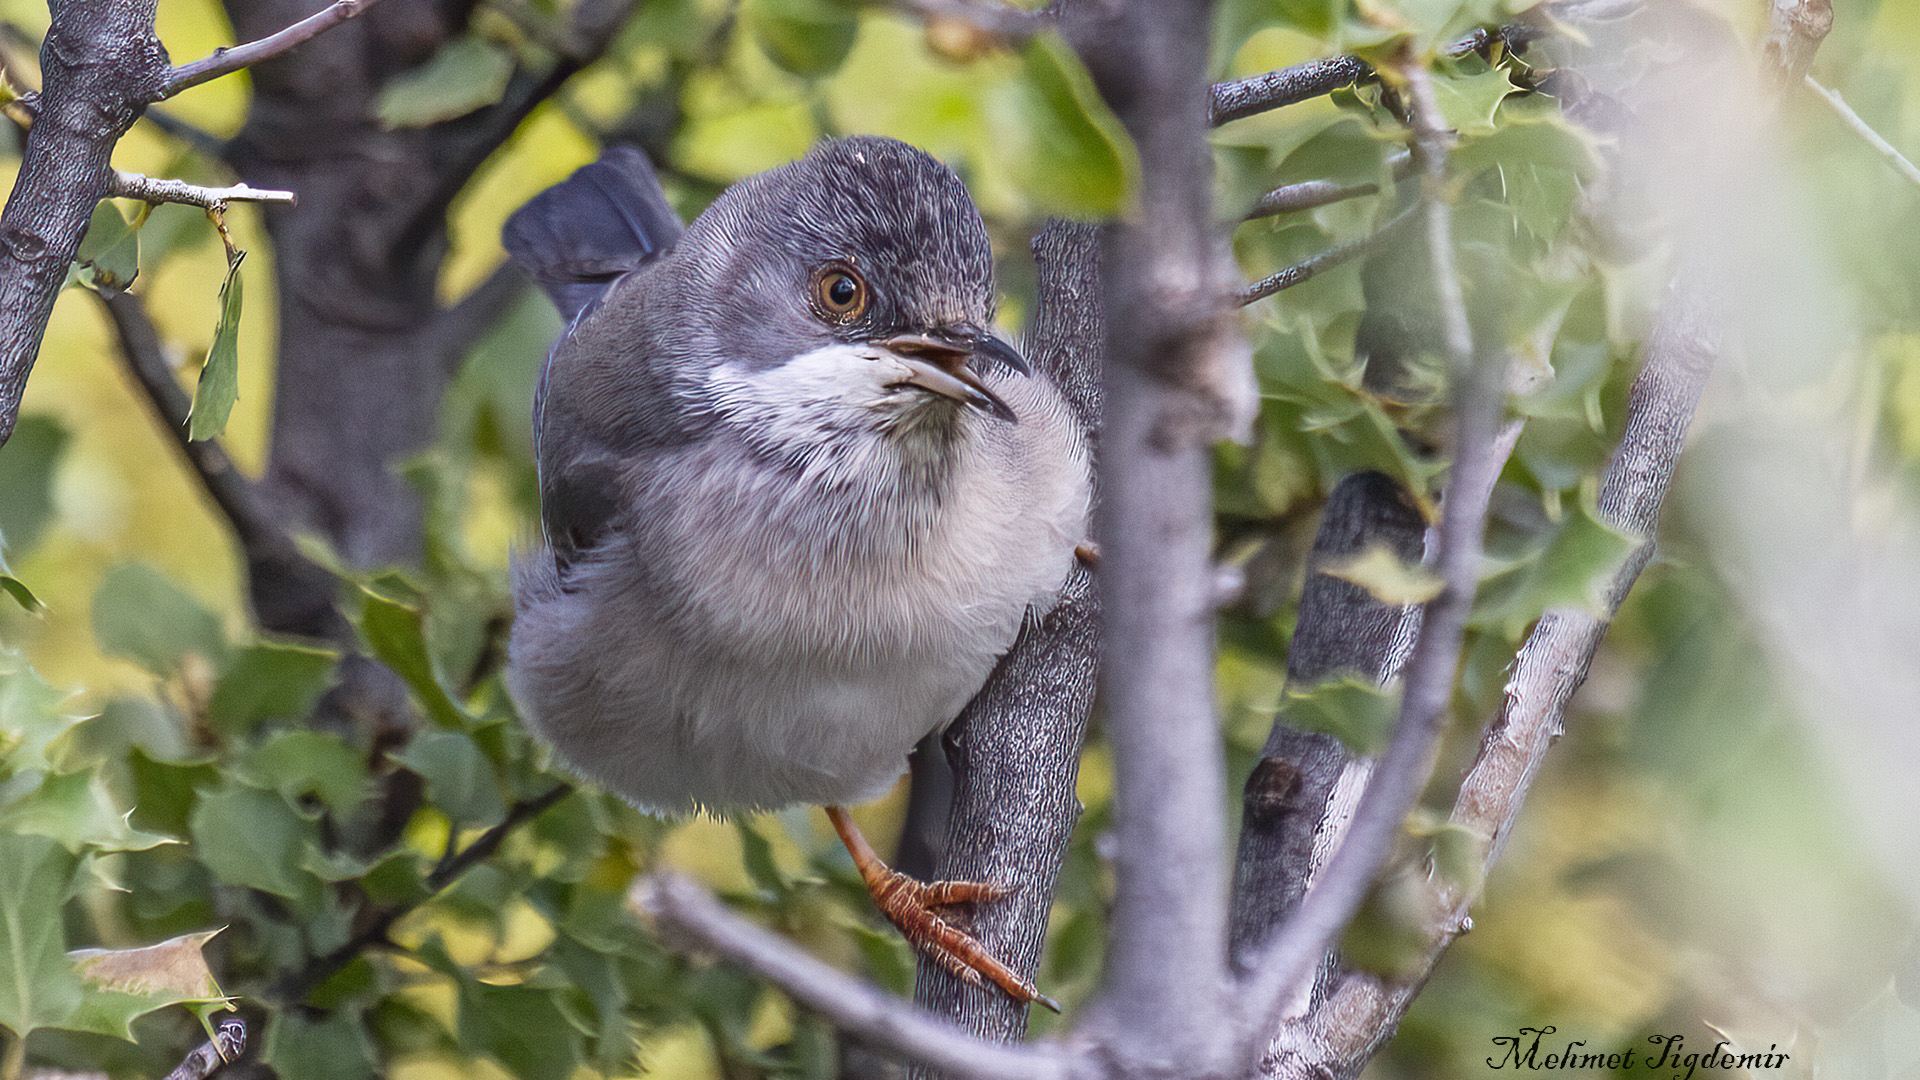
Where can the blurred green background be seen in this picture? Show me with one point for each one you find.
(1697, 857)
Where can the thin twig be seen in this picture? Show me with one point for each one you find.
(1290, 958)
(688, 916)
(228, 1043)
(1316, 264)
(1307, 195)
(150, 189)
(448, 870)
(226, 61)
(1861, 128)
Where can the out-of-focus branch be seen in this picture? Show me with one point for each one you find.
(1177, 378)
(149, 189)
(1278, 970)
(1306, 195)
(1844, 111)
(456, 330)
(302, 599)
(1015, 750)
(689, 917)
(226, 61)
(1000, 20)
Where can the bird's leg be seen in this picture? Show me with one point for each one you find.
(911, 905)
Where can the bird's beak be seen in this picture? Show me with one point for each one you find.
(939, 365)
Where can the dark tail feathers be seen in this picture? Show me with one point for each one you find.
(580, 235)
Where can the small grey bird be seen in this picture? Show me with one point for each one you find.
(797, 495)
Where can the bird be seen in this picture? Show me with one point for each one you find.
(797, 494)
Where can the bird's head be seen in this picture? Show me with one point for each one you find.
(850, 289)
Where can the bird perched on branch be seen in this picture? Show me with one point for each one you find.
(797, 495)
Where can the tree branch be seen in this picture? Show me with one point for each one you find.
(148, 189)
(101, 66)
(688, 917)
(1255, 94)
(1306, 195)
(1015, 750)
(453, 333)
(227, 60)
(228, 1043)
(1881, 146)
(1312, 266)
(1177, 378)
(1285, 964)
(302, 597)
(296, 985)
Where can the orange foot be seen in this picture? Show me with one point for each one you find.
(913, 906)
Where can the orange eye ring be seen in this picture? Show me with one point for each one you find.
(840, 294)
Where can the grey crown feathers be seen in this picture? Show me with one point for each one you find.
(797, 497)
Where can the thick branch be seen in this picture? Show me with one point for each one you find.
(226, 61)
(1177, 379)
(689, 917)
(101, 65)
(1287, 962)
(1255, 94)
(1015, 751)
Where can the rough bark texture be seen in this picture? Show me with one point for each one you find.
(1343, 630)
(101, 65)
(1015, 750)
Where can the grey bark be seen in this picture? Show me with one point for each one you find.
(1015, 750)
(101, 65)
(1343, 630)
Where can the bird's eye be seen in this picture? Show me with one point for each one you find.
(839, 293)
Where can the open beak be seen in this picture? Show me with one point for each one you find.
(939, 365)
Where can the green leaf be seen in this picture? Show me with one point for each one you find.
(1388, 580)
(299, 763)
(468, 74)
(120, 985)
(334, 1048)
(75, 810)
(22, 595)
(1065, 148)
(757, 853)
(31, 718)
(1572, 572)
(1468, 101)
(395, 631)
(27, 465)
(270, 682)
(807, 37)
(1353, 710)
(37, 986)
(522, 1029)
(139, 615)
(460, 779)
(109, 255)
(219, 385)
(250, 837)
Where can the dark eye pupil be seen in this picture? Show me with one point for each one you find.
(841, 291)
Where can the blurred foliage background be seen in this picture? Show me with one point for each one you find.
(1690, 863)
